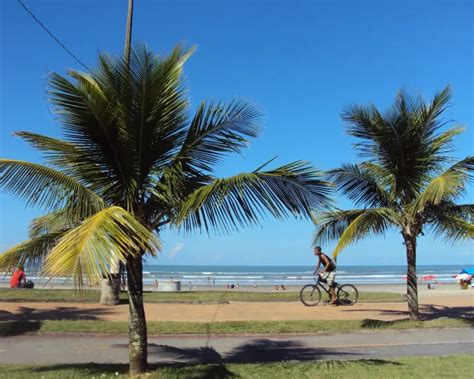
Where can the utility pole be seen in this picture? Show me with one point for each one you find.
(128, 33)
(110, 285)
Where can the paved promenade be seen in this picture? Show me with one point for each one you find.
(73, 349)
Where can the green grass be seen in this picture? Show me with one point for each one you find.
(226, 327)
(457, 366)
(92, 296)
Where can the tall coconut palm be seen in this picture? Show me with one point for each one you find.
(133, 162)
(408, 181)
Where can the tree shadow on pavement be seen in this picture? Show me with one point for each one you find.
(427, 312)
(204, 362)
(29, 320)
(257, 351)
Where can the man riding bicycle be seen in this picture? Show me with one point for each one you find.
(328, 274)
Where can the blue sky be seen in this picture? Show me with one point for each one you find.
(299, 62)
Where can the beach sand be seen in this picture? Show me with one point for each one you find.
(446, 302)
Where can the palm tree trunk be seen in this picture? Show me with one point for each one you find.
(110, 290)
(412, 286)
(110, 286)
(137, 333)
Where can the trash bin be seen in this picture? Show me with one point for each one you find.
(169, 286)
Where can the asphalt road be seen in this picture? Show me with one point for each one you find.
(56, 349)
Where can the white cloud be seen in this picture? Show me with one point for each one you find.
(172, 254)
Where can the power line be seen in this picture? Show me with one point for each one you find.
(52, 35)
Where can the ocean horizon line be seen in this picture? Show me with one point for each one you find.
(307, 265)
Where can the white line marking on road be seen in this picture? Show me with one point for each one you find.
(393, 344)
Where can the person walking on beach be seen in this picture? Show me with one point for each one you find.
(328, 273)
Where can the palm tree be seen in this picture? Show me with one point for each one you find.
(408, 181)
(133, 162)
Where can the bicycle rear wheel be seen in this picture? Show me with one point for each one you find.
(347, 294)
(310, 295)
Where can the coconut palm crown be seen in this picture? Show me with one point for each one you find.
(132, 162)
(408, 181)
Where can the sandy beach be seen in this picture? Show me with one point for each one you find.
(447, 301)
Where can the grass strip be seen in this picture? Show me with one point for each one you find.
(10, 328)
(455, 366)
(92, 296)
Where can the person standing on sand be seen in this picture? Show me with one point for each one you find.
(328, 274)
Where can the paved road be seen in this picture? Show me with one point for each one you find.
(54, 349)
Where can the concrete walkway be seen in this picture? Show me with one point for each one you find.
(73, 349)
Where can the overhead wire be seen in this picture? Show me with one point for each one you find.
(43, 26)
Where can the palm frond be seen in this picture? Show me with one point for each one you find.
(442, 143)
(361, 185)
(85, 252)
(453, 229)
(71, 160)
(55, 149)
(54, 222)
(48, 188)
(153, 103)
(331, 225)
(371, 221)
(168, 191)
(92, 120)
(462, 211)
(406, 140)
(128, 118)
(158, 112)
(294, 189)
(217, 129)
(447, 186)
(431, 113)
(351, 226)
(29, 253)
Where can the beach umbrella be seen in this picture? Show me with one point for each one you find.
(428, 277)
(463, 277)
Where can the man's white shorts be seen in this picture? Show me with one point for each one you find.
(329, 277)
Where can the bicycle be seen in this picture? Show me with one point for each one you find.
(310, 294)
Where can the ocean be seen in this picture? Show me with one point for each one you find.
(272, 275)
(292, 275)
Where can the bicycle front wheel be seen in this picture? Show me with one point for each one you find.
(347, 294)
(310, 295)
